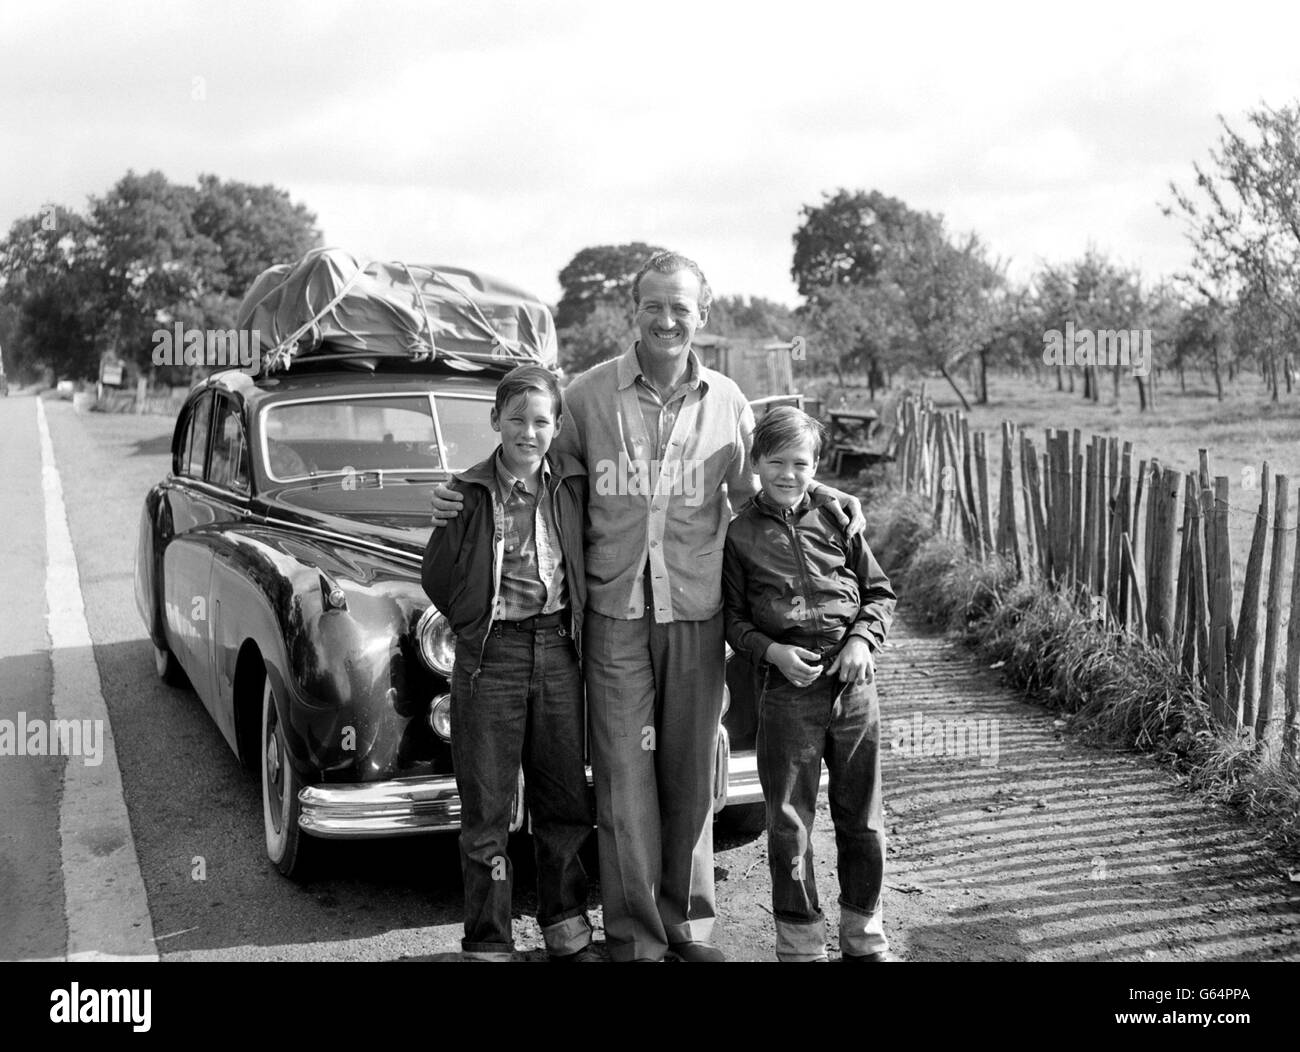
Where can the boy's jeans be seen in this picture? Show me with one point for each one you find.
(527, 707)
(797, 726)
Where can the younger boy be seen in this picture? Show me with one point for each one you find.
(809, 606)
(508, 574)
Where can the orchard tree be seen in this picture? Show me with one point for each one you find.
(929, 296)
(1242, 217)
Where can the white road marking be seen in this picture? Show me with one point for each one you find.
(105, 902)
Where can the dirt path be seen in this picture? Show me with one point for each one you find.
(1022, 844)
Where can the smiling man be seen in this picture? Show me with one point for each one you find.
(653, 659)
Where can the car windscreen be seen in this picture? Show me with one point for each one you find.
(389, 433)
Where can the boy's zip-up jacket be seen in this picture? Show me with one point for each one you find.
(462, 564)
(796, 578)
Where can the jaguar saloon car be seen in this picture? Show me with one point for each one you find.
(278, 574)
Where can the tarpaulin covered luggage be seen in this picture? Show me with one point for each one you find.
(330, 305)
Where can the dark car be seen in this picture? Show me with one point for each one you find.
(278, 572)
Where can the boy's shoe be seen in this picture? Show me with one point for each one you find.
(697, 952)
(587, 955)
(867, 958)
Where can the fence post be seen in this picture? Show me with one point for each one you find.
(1076, 510)
(1197, 642)
(1008, 538)
(1245, 649)
(1220, 595)
(1272, 620)
(1162, 499)
(1291, 681)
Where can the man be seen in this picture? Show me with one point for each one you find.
(666, 445)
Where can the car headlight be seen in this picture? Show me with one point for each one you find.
(437, 641)
(727, 651)
(440, 717)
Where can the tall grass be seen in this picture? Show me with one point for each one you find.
(1116, 690)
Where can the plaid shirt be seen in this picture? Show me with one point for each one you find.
(532, 566)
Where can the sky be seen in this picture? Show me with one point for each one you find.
(506, 137)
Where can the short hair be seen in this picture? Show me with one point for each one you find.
(784, 426)
(525, 378)
(670, 263)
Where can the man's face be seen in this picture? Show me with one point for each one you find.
(668, 314)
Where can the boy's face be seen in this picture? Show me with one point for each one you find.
(786, 473)
(527, 424)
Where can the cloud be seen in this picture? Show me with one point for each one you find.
(510, 135)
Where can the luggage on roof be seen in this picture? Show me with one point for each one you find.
(328, 305)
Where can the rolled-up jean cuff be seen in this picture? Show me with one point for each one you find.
(567, 936)
(862, 933)
(483, 951)
(800, 940)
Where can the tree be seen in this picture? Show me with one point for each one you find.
(600, 274)
(751, 316)
(929, 298)
(255, 227)
(1243, 221)
(1096, 294)
(51, 274)
(154, 259)
(148, 253)
(601, 335)
(845, 239)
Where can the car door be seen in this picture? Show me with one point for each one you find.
(187, 558)
(228, 479)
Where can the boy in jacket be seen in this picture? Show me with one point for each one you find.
(509, 576)
(809, 606)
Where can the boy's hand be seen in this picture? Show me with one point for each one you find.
(794, 663)
(855, 663)
(446, 504)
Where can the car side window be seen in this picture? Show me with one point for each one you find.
(194, 457)
(229, 464)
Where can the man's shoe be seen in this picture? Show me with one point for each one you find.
(697, 951)
(866, 958)
(587, 955)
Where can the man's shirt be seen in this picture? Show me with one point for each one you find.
(663, 474)
(532, 568)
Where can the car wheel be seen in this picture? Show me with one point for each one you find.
(745, 818)
(168, 668)
(286, 845)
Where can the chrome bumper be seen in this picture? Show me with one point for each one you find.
(743, 786)
(431, 804)
(394, 808)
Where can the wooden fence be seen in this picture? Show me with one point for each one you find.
(1143, 548)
